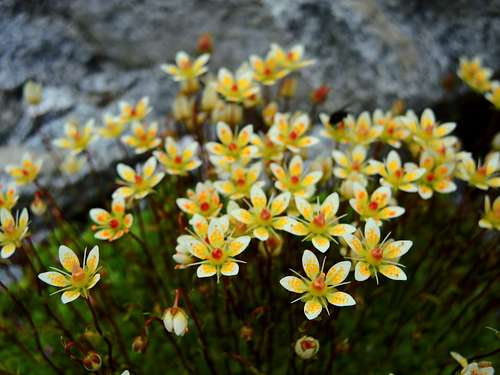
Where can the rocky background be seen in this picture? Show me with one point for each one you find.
(89, 54)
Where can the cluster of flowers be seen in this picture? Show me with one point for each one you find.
(244, 159)
(478, 78)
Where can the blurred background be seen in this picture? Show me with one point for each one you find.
(90, 54)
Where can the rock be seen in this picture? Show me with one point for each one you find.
(90, 54)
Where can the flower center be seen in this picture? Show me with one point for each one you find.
(399, 173)
(265, 214)
(319, 284)
(356, 166)
(267, 71)
(377, 253)
(294, 180)
(138, 179)
(234, 87)
(178, 159)
(114, 223)
(77, 274)
(232, 147)
(320, 220)
(373, 205)
(25, 172)
(307, 344)
(205, 206)
(482, 170)
(430, 177)
(217, 254)
(240, 181)
(293, 135)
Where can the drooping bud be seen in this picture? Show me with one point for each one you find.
(38, 206)
(92, 362)
(140, 344)
(32, 93)
(175, 321)
(306, 347)
(182, 108)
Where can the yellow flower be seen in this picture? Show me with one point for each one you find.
(12, 231)
(372, 257)
(236, 88)
(394, 130)
(182, 255)
(216, 249)
(74, 280)
(234, 147)
(474, 368)
(474, 74)
(337, 132)
(267, 150)
(72, 164)
(295, 180)
(437, 176)
(319, 223)
(395, 175)
(204, 200)
(319, 289)
(9, 197)
(374, 206)
(176, 160)
(292, 60)
(111, 225)
(494, 94)
(140, 183)
(137, 112)
(143, 138)
(267, 71)
(483, 176)
(113, 126)
(76, 140)
(491, 217)
(353, 164)
(426, 131)
(361, 131)
(27, 172)
(186, 69)
(262, 217)
(240, 181)
(289, 131)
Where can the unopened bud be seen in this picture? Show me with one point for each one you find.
(272, 246)
(190, 87)
(246, 333)
(205, 43)
(269, 112)
(32, 93)
(288, 88)
(319, 95)
(398, 107)
(175, 320)
(38, 206)
(306, 347)
(209, 97)
(92, 362)
(140, 344)
(182, 108)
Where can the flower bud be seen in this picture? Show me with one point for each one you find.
(92, 362)
(306, 347)
(182, 108)
(269, 112)
(209, 97)
(288, 88)
(246, 333)
(319, 95)
(205, 43)
(272, 246)
(32, 93)
(140, 344)
(175, 320)
(38, 206)
(398, 107)
(229, 113)
(190, 87)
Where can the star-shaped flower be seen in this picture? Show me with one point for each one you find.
(134, 112)
(111, 225)
(236, 88)
(12, 231)
(27, 172)
(76, 140)
(143, 137)
(204, 200)
(295, 180)
(491, 216)
(240, 182)
(234, 146)
(185, 68)
(177, 160)
(374, 206)
(139, 183)
(289, 131)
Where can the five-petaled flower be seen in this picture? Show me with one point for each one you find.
(394, 130)
(233, 147)
(267, 71)
(361, 130)
(319, 223)
(236, 88)
(112, 126)
(352, 165)
(8, 197)
(212, 244)
(374, 206)
(12, 231)
(185, 69)
(76, 140)
(139, 183)
(289, 131)
(111, 225)
(143, 137)
(491, 217)
(437, 176)
(74, 280)
(426, 131)
(474, 74)
(262, 217)
(395, 175)
(27, 172)
(473, 368)
(177, 160)
(134, 112)
(292, 60)
(295, 180)
(483, 176)
(318, 289)
(373, 257)
(204, 200)
(240, 181)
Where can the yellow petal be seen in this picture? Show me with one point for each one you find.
(293, 284)
(392, 272)
(340, 299)
(312, 308)
(310, 264)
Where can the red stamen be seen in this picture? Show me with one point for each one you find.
(232, 147)
(307, 344)
(293, 135)
(294, 179)
(114, 223)
(320, 220)
(377, 253)
(373, 205)
(430, 177)
(178, 159)
(205, 206)
(217, 254)
(265, 214)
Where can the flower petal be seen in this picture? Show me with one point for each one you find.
(338, 273)
(70, 295)
(68, 258)
(310, 264)
(230, 269)
(312, 308)
(205, 270)
(362, 271)
(397, 249)
(54, 278)
(293, 284)
(392, 272)
(340, 299)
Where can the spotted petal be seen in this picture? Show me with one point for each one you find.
(293, 284)
(397, 249)
(230, 269)
(392, 272)
(362, 271)
(340, 299)
(70, 295)
(310, 264)
(68, 258)
(312, 308)
(205, 270)
(93, 259)
(338, 273)
(54, 278)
